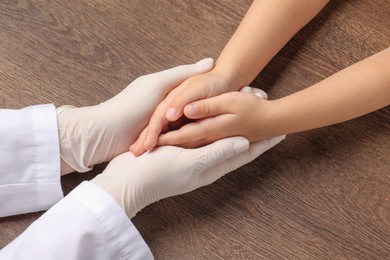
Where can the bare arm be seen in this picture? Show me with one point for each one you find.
(357, 90)
(265, 29)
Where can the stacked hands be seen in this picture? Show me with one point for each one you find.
(91, 135)
(213, 108)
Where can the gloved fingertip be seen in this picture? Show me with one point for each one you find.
(261, 94)
(240, 145)
(246, 89)
(205, 64)
(258, 92)
(275, 140)
(281, 138)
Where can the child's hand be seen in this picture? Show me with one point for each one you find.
(171, 108)
(230, 114)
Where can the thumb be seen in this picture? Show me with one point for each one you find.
(255, 150)
(218, 152)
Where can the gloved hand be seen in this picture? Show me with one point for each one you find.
(135, 182)
(96, 134)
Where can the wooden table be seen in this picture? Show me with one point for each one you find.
(320, 194)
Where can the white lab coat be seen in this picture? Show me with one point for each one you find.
(86, 224)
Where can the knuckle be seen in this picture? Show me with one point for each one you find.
(206, 109)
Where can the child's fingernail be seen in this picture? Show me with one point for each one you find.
(171, 114)
(190, 110)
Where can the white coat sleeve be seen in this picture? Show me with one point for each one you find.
(86, 224)
(29, 160)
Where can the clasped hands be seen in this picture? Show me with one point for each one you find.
(217, 110)
(91, 135)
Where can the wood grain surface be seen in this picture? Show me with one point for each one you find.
(321, 194)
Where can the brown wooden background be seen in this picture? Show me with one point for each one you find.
(320, 194)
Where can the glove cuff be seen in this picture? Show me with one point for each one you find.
(71, 146)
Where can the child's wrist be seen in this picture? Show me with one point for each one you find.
(232, 81)
(268, 124)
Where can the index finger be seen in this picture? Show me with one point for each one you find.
(184, 96)
(156, 124)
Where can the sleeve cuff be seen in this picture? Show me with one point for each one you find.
(86, 224)
(30, 169)
(119, 232)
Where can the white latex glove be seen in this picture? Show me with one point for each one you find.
(96, 134)
(135, 182)
(258, 92)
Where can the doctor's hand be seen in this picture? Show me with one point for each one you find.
(171, 109)
(244, 113)
(135, 182)
(92, 135)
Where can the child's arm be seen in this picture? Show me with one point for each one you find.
(357, 90)
(265, 29)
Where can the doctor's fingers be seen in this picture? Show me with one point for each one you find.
(259, 147)
(218, 152)
(254, 151)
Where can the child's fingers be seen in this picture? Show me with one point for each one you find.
(208, 107)
(187, 134)
(138, 147)
(195, 134)
(156, 124)
(188, 93)
(158, 121)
